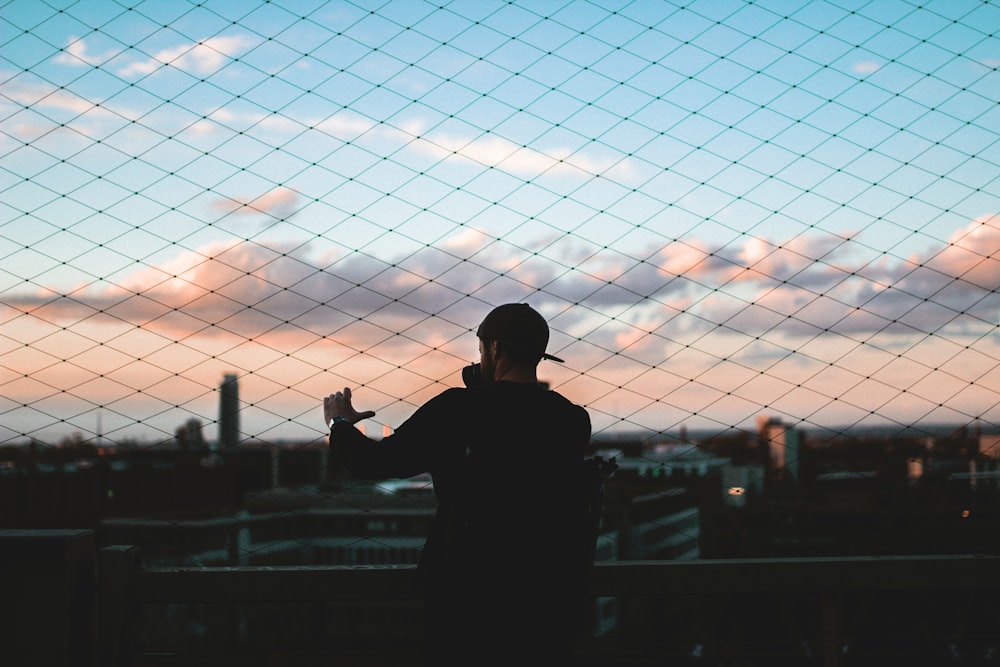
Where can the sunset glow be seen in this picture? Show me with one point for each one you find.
(724, 209)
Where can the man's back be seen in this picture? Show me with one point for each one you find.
(504, 565)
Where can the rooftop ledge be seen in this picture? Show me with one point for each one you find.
(632, 578)
(763, 607)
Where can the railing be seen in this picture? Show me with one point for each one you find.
(812, 611)
(68, 604)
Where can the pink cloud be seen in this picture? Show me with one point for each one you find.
(800, 287)
(972, 254)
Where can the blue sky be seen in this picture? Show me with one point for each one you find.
(724, 208)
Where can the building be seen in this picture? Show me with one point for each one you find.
(781, 445)
(229, 412)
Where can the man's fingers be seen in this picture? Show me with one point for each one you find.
(341, 402)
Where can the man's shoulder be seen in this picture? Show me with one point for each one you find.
(496, 395)
(569, 405)
(450, 400)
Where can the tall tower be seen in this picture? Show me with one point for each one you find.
(781, 446)
(229, 411)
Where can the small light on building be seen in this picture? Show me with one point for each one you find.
(965, 514)
(736, 496)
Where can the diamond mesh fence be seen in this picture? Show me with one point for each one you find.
(724, 209)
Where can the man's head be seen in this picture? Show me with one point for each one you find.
(520, 331)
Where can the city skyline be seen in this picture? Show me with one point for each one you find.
(724, 209)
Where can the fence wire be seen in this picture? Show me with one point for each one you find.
(726, 209)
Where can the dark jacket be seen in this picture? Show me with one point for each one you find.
(504, 562)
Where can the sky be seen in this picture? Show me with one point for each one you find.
(724, 209)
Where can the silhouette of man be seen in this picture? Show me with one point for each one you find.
(503, 568)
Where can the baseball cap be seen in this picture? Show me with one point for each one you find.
(519, 325)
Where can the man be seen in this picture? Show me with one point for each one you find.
(504, 566)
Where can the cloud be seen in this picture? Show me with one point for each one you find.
(201, 58)
(77, 53)
(865, 67)
(45, 95)
(211, 55)
(972, 255)
(278, 204)
(252, 291)
(811, 285)
(284, 309)
(494, 151)
(759, 288)
(491, 150)
(956, 284)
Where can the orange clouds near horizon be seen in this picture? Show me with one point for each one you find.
(794, 320)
